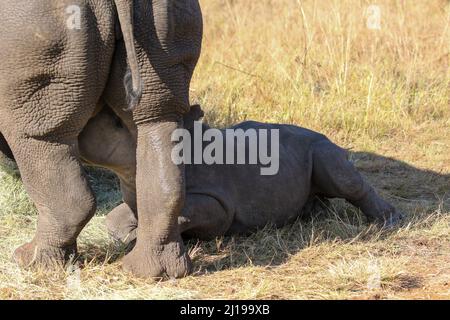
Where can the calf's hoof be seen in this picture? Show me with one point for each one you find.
(33, 254)
(122, 225)
(391, 219)
(164, 261)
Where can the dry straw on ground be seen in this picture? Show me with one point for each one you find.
(382, 93)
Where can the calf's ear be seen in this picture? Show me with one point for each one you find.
(195, 114)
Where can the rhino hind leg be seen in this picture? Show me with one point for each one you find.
(334, 176)
(60, 190)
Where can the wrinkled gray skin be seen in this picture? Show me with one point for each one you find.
(52, 81)
(236, 199)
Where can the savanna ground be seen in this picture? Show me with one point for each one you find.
(384, 94)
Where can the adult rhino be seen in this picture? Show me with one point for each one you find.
(53, 77)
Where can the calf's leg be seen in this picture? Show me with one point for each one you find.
(334, 176)
(122, 224)
(203, 217)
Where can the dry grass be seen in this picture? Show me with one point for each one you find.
(383, 93)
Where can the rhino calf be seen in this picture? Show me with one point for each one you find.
(237, 199)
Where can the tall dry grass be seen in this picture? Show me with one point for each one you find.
(317, 64)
